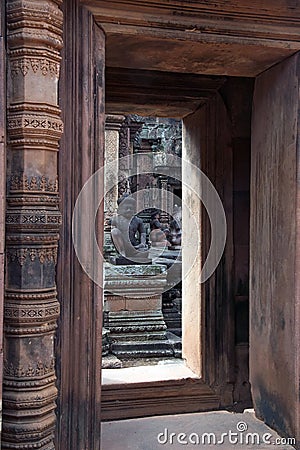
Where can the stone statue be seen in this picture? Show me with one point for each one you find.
(158, 234)
(128, 231)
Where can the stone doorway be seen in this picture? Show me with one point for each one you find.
(192, 61)
(143, 156)
(217, 368)
(209, 131)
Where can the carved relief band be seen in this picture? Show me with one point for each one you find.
(124, 150)
(34, 127)
(113, 124)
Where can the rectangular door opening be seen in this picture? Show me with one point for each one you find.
(214, 314)
(142, 300)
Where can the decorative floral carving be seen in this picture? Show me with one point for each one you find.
(36, 183)
(35, 64)
(23, 65)
(43, 254)
(44, 65)
(37, 370)
(33, 184)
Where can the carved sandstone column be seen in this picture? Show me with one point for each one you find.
(34, 128)
(113, 124)
(124, 150)
(164, 199)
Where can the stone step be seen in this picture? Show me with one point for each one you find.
(134, 349)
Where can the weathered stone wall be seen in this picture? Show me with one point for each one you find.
(208, 314)
(274, 255)
(78, 344)
(237, 94)
(168, 131)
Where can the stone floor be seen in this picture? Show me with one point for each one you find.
(136, 362)
(154, 433)
(170, 369)
(112, 362)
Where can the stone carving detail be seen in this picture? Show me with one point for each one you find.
(44, 66)
(35, 122)
(38, 370)
(39, 200)
(124, 145)
(23, 313)
(134, 271)
(33, 218)
(30, 296)
(112, 127)
(135, 329)
(135, 322)
(38, 238)
(34, 184)
(42, 254)
(124, 150)
(38, 330)
(31, 309)
(32, 313)
(40, 126)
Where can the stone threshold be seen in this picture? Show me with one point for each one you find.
(145, 374)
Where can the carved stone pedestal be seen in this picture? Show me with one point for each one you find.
(171, 300)
(133, 305)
